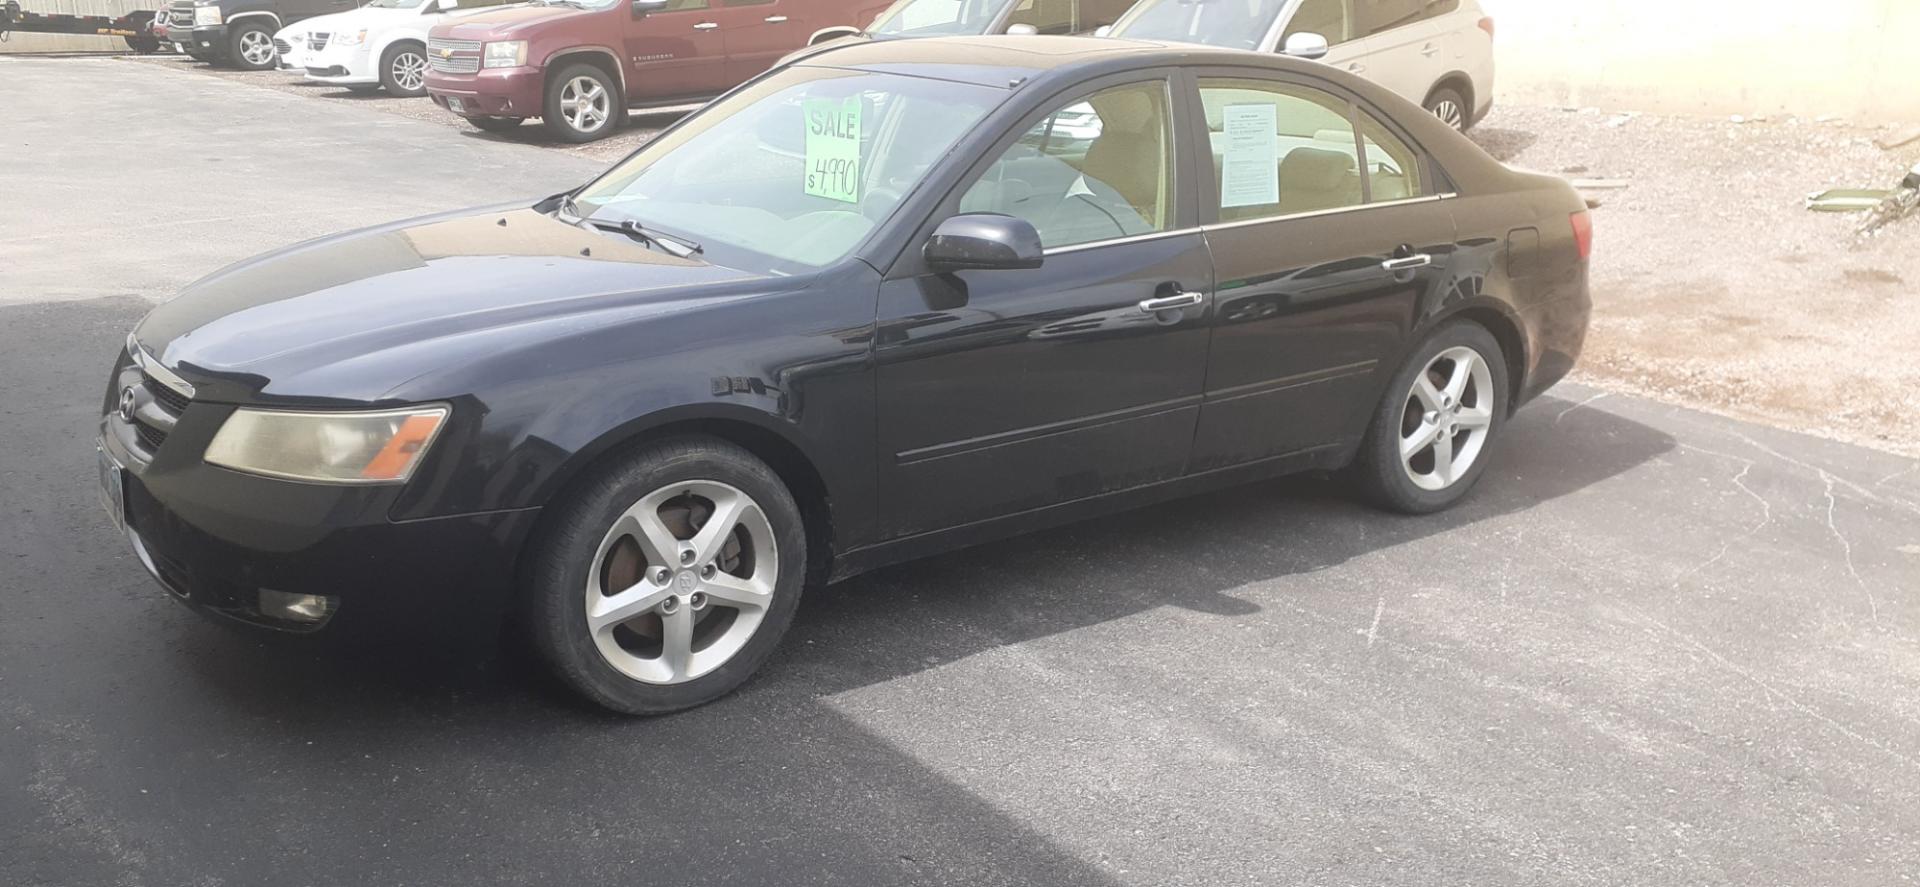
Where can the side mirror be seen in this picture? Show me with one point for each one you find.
(644, 8)
(1023, 29)
(1306, 45)
(445, 5)
(1103, 30)
(983, 241)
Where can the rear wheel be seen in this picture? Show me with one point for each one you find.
(403, 69)
(582, 104)
(1428, 442)
(250, 46)
(667, 577)
(1448, 104)
(496, 124)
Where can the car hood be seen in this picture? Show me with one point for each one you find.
(507, 21)
(357, 316)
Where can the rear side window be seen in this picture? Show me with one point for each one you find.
(1374, 16)
(1066, 16)
(1392, 167)
(1280, 149)
(685, 5)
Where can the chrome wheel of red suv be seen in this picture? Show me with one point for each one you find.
(582, 104)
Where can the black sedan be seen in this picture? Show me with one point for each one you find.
(892, 299)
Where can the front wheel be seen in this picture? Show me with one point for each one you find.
(251, 47)
(665, 579)
(403, 70)
(582, 104)
(1428, 441)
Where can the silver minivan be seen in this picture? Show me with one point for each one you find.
(1437, 53)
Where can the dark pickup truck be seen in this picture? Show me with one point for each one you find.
(240, 32)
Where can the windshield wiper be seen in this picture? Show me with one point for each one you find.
(679, 247)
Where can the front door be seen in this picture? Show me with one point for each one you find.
(758, 33)
(676, 52)
(1400, 46)
(1006, 391)
(1326, 232)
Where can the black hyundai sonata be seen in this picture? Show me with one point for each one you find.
(895, 298)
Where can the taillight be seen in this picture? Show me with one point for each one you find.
(1486, 24)
(1583, 233)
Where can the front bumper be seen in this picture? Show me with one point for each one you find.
(215, 538)
(340, 65)
(492, 92)
(207, 39)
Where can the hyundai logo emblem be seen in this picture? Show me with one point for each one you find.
(126, 403)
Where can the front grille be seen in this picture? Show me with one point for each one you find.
(457, 65)
(435, 45)
(317, 40)
(282, 47)
(180, 18)
(171, 402)
(149, 435)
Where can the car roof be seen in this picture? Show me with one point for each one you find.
(1003, 59)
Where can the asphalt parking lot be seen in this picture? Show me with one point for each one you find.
(1655, 647)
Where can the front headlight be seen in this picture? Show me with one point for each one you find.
(375, 447)
(350, 38)
(206, 15)
(507, 54)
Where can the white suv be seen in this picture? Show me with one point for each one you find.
(1437, 53)
(381, 44)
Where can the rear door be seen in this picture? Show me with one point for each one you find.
(759, 32)
(679, 51)
(1325, 231)
(1007, 391)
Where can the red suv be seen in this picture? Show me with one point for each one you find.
(579, 64)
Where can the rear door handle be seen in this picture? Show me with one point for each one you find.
(1409, 263)
(1186, 299)
(1429, 50)
(775, 19)
(706, 26)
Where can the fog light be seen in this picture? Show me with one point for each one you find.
(310, 609)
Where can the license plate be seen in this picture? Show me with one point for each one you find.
(456, 106)
(113, 489)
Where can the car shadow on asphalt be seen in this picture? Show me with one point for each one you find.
(460, 765)
(1503, 144)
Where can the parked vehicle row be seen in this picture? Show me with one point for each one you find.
(886, 300)
(580, 65)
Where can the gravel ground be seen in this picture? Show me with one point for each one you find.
(1714, 286)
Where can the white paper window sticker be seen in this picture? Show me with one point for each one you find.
(1250, 159)
(833, 148)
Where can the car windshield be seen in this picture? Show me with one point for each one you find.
(1236, 24)
(394, 4)
(794, 171)
(932, 18)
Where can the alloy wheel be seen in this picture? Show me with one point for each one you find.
(585, 104)
(410, 70)
(1446, 418)
(681, 582)
(257, 48)
(1450, 113)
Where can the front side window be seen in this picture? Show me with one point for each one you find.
(1328, 18)
(1236, 24)
(935, 18)
(1096, 169)
(1375, 16)
(794, 171)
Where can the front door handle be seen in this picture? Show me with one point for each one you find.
(775, 19)
(1168, 303)
(706, 26)
(1356, 67)
(1408, 263)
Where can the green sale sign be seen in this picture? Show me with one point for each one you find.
(833, 148)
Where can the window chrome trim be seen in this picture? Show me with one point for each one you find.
(1116, 241)
(1338, 210)
(149, 365)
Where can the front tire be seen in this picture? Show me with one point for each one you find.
(1429, 438)
(250, 47)
(666, 578)
(403, 69)
(582, 104)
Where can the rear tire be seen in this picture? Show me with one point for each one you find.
(497, 124)
(582, 104)
(1450, 105)
(1431, 436)
(250, 47)
(403, 69)
(621, 601)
